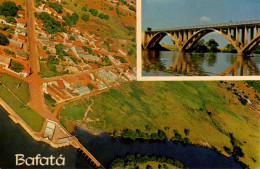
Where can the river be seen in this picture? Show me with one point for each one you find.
(173, 63)
(14, 140)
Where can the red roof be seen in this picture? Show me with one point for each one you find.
(21, 12)
(78, 43)
(22, 38)
(60, 84)
(21, 20)
(93, 65)
(43, 54)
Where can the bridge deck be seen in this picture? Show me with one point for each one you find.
(230, 24)
(81, 147)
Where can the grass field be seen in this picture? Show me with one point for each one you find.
(12, 83)
(32, 118)
(175, 106)
(45, 72)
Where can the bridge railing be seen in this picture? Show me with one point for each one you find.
(213, 25)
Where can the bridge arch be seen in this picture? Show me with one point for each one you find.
(252, 44)
(158, 37)
(187, 46)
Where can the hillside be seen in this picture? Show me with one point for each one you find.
(207, 109)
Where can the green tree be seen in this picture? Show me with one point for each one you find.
(16, 66)
(57, 7)
(200, 46)
(85, 17)
(3, 39)
(230, 49)
(8, 8)
(212, 45)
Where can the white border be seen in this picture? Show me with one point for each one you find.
(171, 78)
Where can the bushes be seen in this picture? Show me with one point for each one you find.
(122, 60)
(85, 17)
(3, 39)
(70, 19)
(50, 25)
(8, 8)
(16, 66)
(57, 7)
(138, 159)
(93, 12)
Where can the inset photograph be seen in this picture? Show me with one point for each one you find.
(200, 38)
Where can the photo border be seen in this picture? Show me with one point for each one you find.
(172, 78)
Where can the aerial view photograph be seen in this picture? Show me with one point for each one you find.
(70, 98)
(200, 38)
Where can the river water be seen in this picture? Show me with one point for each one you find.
(14, 140)
(173, 63)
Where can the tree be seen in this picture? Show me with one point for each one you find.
(8, 8)
(3, 39)
(93, 12)
(187, 132)
(57, 7)
(85, 17)
(84, 8)
(212, 45)
(16, 66)
(230, 49)
(200, 46)
(149, 29)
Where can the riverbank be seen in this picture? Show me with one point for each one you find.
(35, 135)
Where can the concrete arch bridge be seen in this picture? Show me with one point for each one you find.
(244, 36)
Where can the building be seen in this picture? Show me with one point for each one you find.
(21, 31)
(83, 90)
(16, 44)
(21, 23)
(49, 130)
(107, 75)
(88, 56)
(4, 62)
(22, 55)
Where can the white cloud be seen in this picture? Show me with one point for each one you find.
(204, 19)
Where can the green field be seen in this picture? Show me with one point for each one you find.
(17, 86)
(32, 118)
(177, 106)
(45, 72)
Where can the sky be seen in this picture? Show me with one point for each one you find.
(159, 14)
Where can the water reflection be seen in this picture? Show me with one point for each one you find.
(159, 63)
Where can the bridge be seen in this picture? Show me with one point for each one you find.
(244, 36)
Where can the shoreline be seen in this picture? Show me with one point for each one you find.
(35, 135)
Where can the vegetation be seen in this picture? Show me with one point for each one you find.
(3, 39)
(212, 46)
(8, 8)
(93, 12)
(50, 25)
(32, 118)
(122, 60)
(229, 49)
(16, 66)
(90, 86)
(45, 72)
(19, 87)
(255, 84)
(85, 17)
(56, 6)
(133, 161)
(70, 19)
(198, 106)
